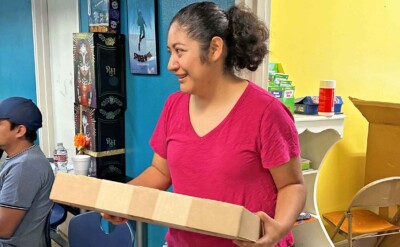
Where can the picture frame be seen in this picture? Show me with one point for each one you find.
(142, 36)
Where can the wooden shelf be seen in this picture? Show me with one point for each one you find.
(317, 135)
(309, 171)
(317, 124)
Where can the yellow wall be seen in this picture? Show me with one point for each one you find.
(357, 43)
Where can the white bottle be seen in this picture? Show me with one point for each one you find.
(60, 156)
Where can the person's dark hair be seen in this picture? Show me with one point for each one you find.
(243, 33)
(30, 136)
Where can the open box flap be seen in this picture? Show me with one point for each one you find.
(378, 112)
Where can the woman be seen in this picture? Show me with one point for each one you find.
(222, 137)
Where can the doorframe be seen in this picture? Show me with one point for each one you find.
(43, 74)
(54, 70)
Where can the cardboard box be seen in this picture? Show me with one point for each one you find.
(305, 164)
(285, 93)
(104, 16)
(99, 69)
(383, 156)
(157, 207)
(275, 77)
(275, 67)
(309, 105)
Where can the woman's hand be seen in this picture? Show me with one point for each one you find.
(272, 233)
(289, 182)
(114, 219)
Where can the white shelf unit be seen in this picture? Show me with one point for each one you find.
(317, 135)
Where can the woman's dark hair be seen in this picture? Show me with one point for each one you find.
(30, 136)
(243, 33)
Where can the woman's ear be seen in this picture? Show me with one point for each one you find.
(216, 48)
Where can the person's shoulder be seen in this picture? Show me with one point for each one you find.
(260, 94)
(269, 103)
(27, 165)
(176, 97)
(36, 159)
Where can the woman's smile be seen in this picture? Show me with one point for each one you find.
(181, 77)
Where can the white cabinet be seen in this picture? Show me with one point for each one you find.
(317, 135)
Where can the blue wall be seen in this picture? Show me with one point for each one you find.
(146, 96)
(17, 70)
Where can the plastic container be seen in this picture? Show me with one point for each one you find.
(326, 98)
(60, 156)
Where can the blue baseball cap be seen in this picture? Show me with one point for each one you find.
(21, 111)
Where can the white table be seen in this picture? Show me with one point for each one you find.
(70, 168)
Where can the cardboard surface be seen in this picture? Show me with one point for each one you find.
(157, 207)
(383, 156)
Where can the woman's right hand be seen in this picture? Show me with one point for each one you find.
(114, 219)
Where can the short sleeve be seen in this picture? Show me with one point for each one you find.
(279, 137)
(158, 140)
(19, 188)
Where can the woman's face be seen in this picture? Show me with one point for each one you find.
(193, 74)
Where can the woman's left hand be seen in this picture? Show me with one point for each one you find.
(272, 233)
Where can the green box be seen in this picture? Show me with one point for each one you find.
(285, 93)
(273, 67)
(305, 164)
(276, 77)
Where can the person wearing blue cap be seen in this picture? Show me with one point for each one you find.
(26, 176)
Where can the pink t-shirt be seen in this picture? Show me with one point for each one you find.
(231, 162)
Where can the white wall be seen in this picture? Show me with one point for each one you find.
(53, 23)
(263, 10)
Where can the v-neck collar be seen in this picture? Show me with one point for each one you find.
(223, 122)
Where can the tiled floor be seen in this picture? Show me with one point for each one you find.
(54, 244)
(57, 240)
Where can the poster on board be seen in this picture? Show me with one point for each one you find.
(142, 31)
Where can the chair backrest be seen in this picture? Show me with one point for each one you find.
(58, 215)
(47, 230)
(380, 193)
(87, 230)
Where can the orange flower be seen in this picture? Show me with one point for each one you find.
(79, 141)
